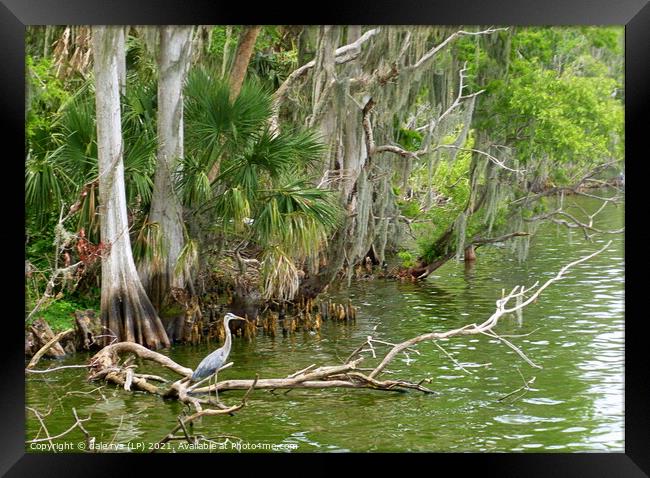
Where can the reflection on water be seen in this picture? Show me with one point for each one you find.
(575, 331)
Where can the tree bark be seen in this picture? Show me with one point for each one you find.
(245, 47)
(166, 208)
(121, 64)
(126, 312)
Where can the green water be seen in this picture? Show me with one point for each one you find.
(576, 402)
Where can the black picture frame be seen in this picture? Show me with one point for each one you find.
(15, 15)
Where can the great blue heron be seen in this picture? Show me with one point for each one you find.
(211, 364)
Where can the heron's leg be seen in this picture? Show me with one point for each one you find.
(216, 392)
(210, 382)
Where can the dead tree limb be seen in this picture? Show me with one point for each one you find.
(430, 54)
(43, 350)
(78, 423)
(107, 357)
(55, 369)
(182, 423)
(575, 223)
(488, 325)
(342, 55)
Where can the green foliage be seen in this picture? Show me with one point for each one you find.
(451, 180)
(139, 59)
(60, 314)
(557, 95)
(552, 95)
(431, 251)
(45, 96)
(410, 209)
(260, 193)
(220, 40)
(40, 244)
(409, 139)
(275, 57)
(56, 174)
(407, 258)
(569, 118)
(62, 158)
(219, 131)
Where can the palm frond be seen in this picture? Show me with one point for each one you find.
(193, 182)
(46, 182)
(215, 126)
(139, 167)
(148, 245)
(233, 208)
(280, 275)
(188, 259)
(297, 217)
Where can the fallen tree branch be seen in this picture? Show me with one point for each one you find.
(575, 223)
(43, 427)
(485, 327)
(525, 387)
(182, 423)
(573, 189)
(78, 423)
(55, 369)
(480, 241)
(107, 357)
(43, 350)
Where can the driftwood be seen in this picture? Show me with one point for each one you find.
(41, 336)
(48, 438)
(30, 343)
(53, 342)
(106, 363)
(183, 423)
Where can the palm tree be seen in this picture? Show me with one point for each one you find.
(261, 196)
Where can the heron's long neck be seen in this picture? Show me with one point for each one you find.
(226, 326)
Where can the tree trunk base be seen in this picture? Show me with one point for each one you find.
(88, 329)
(128, 317)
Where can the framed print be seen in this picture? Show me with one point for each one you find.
(361, 231)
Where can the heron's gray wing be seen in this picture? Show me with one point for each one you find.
(208, 365)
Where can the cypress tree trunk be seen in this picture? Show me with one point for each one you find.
(126, 311)
(166, 207)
